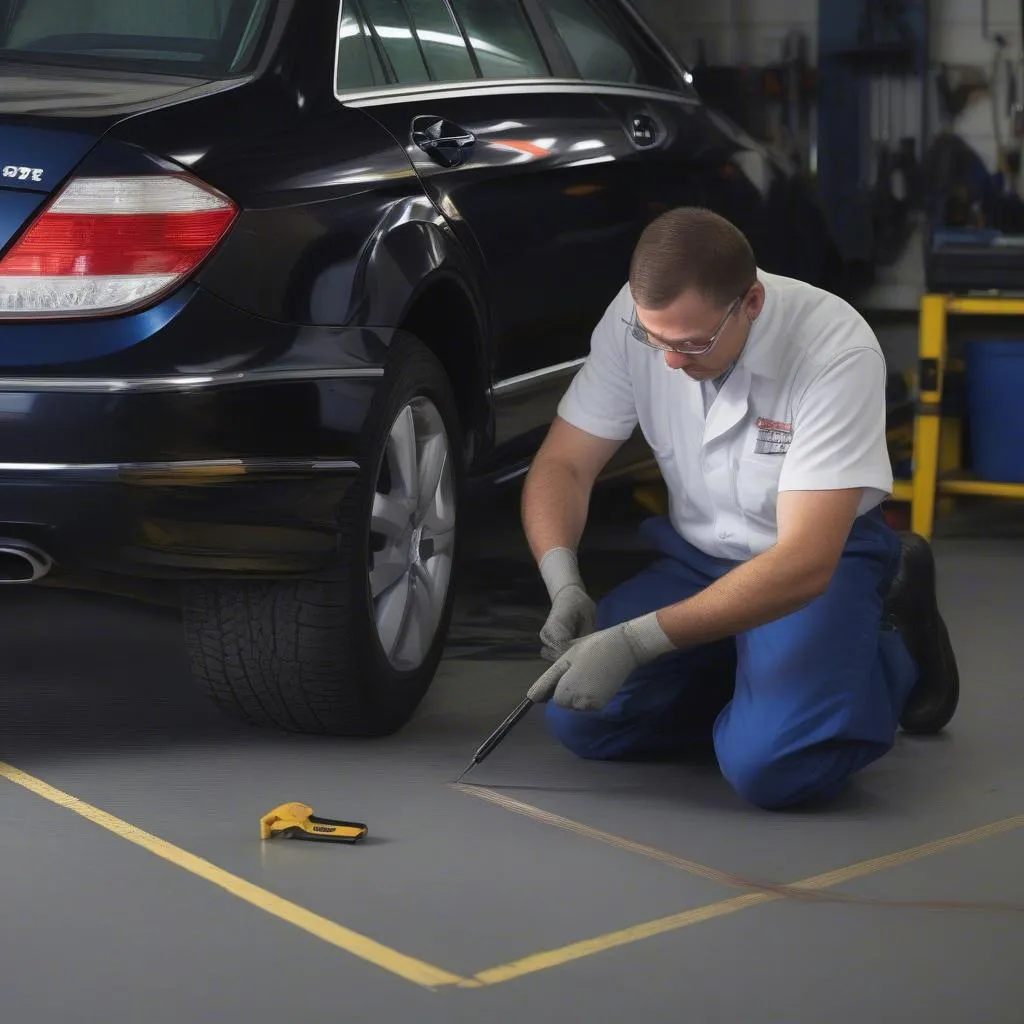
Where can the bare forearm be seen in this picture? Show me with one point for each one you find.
(554, 507)
(768, 587)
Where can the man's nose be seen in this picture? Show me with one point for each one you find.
(677, 361)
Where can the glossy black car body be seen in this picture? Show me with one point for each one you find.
(230, 433)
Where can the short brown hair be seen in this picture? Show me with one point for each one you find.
(691, 248)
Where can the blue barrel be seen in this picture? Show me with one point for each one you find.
(995, 407)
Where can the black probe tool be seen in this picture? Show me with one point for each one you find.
(497, 736)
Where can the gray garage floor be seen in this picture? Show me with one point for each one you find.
(549, 889)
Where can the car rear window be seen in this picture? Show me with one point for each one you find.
(212, 38)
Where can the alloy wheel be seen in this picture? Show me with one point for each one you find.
(412, 533)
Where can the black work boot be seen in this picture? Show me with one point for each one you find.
(912, 607)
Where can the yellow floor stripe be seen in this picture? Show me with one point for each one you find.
(895, 860)
(429, 976)
(343, 938)
(627, 936)
(637, 933)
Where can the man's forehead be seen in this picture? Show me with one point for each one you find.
(690, 316)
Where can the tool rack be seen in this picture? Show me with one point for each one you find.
(937, 461)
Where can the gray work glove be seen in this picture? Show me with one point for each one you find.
(594, 669)
(572, 610)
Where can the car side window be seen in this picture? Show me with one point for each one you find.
(407, 42)
(597, 53)
(359, 66)
(502, 39)
(390, 26)
(443, 44)
(605, 47)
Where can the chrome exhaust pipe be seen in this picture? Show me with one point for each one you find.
(22, 563)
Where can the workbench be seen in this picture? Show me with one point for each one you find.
(937, 460)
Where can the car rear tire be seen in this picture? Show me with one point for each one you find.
(353, 656)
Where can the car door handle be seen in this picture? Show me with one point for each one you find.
(443, 141)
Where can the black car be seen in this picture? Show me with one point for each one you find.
(281, 278)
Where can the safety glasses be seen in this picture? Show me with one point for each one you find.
(682, 348)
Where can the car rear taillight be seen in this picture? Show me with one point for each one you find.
(105, 245)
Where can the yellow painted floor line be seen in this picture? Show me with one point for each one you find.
(626, 936)
(691, 867)
(357, 945)
(429, 976)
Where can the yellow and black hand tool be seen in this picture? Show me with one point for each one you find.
(296, 821)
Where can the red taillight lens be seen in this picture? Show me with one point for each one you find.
(108, 244)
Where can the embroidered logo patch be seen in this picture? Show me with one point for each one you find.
(773, 437)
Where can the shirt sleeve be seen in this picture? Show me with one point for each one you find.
(839, 430)
(600, 399)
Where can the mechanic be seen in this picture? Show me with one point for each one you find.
(783, 620)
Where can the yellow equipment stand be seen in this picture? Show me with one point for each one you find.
(932, 474)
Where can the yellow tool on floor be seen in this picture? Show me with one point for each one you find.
(296, 821)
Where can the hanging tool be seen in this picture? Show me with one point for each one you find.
(296, 821)
(497, 736)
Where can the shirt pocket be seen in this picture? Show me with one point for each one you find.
(758, 487)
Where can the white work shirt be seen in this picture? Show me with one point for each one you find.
(803, 409)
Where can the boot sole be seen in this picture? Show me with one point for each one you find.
(934, 655)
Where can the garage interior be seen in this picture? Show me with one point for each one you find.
(582, 889)
(135, 883)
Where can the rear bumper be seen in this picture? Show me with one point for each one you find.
(256, 518)
(164, 468)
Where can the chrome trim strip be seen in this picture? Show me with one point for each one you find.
(195, 467)
(525, 381)
(179, 382)
(504, 87)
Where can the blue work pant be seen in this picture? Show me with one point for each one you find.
(793, 707)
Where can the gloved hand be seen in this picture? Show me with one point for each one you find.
(594, 669)
(572, 609)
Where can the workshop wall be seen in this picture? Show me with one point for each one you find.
(957, 38)
(732, 31)
(736, 32)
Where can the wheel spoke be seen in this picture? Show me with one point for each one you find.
(417, 632)
(389, 566)
(390, 516)
(431, 590)
(421, 625)
(433, 464)
(402, 456)
(393, 614)
(439, 515)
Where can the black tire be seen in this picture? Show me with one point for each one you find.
(305, 655)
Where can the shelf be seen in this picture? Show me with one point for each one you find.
(985, 306)
(980, 488)
(903, 490)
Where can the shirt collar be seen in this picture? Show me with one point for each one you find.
(762, 354)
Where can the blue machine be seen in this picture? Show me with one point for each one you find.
(870, 53)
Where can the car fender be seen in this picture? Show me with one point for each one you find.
(409, 251)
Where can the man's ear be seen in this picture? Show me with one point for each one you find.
(754, 302)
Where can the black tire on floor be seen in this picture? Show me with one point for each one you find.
(305, 656)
